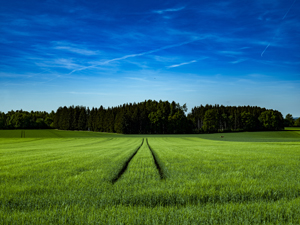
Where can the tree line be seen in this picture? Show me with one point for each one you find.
(26, 120)
(151, 117)
(148, 117)
(216, 118)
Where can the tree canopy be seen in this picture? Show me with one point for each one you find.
(216, 118)
(150, 117)
(26, 120)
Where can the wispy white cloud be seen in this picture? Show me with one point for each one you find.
(11, 31)
(77, 50)
(278, 30)
(182, 64)
(264, 43)
(245, 48)
(133, 55)
(230, 52)
(72, 47)
(57, 63)
(168, 10)
(238, 61)
(165, 59)
(29, 79)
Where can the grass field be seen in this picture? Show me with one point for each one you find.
(76, 177)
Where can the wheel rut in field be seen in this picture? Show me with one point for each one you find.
(158, 167)
(125, 165)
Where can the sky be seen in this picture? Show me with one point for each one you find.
(81, 52)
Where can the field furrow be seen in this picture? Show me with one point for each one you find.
(124, 165)
(158, 163)
(141, 168)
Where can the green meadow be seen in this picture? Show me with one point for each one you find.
(79, 177)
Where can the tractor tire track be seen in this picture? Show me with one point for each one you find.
(161, 171)
(125, 165)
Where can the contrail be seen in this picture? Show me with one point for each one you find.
(265, 49)
(268, 45)
(168, 10)
(288, 10)
(182, 64)
(275, 34)
(135, 55)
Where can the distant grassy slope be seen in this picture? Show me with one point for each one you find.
(292, 128)
(295, 129)
(263, 136)
(290, 135)
(53, 134)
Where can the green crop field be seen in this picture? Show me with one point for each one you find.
(77, 177)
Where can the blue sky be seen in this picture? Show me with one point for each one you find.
(91, 53)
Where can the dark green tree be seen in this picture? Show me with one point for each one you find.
(297, 122)
(211, 121)
(248, 121)
(82, 119)
(289, 120)
(271, 120)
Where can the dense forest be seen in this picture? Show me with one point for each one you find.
(151, 117)
(243, 118)
(26, 120)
